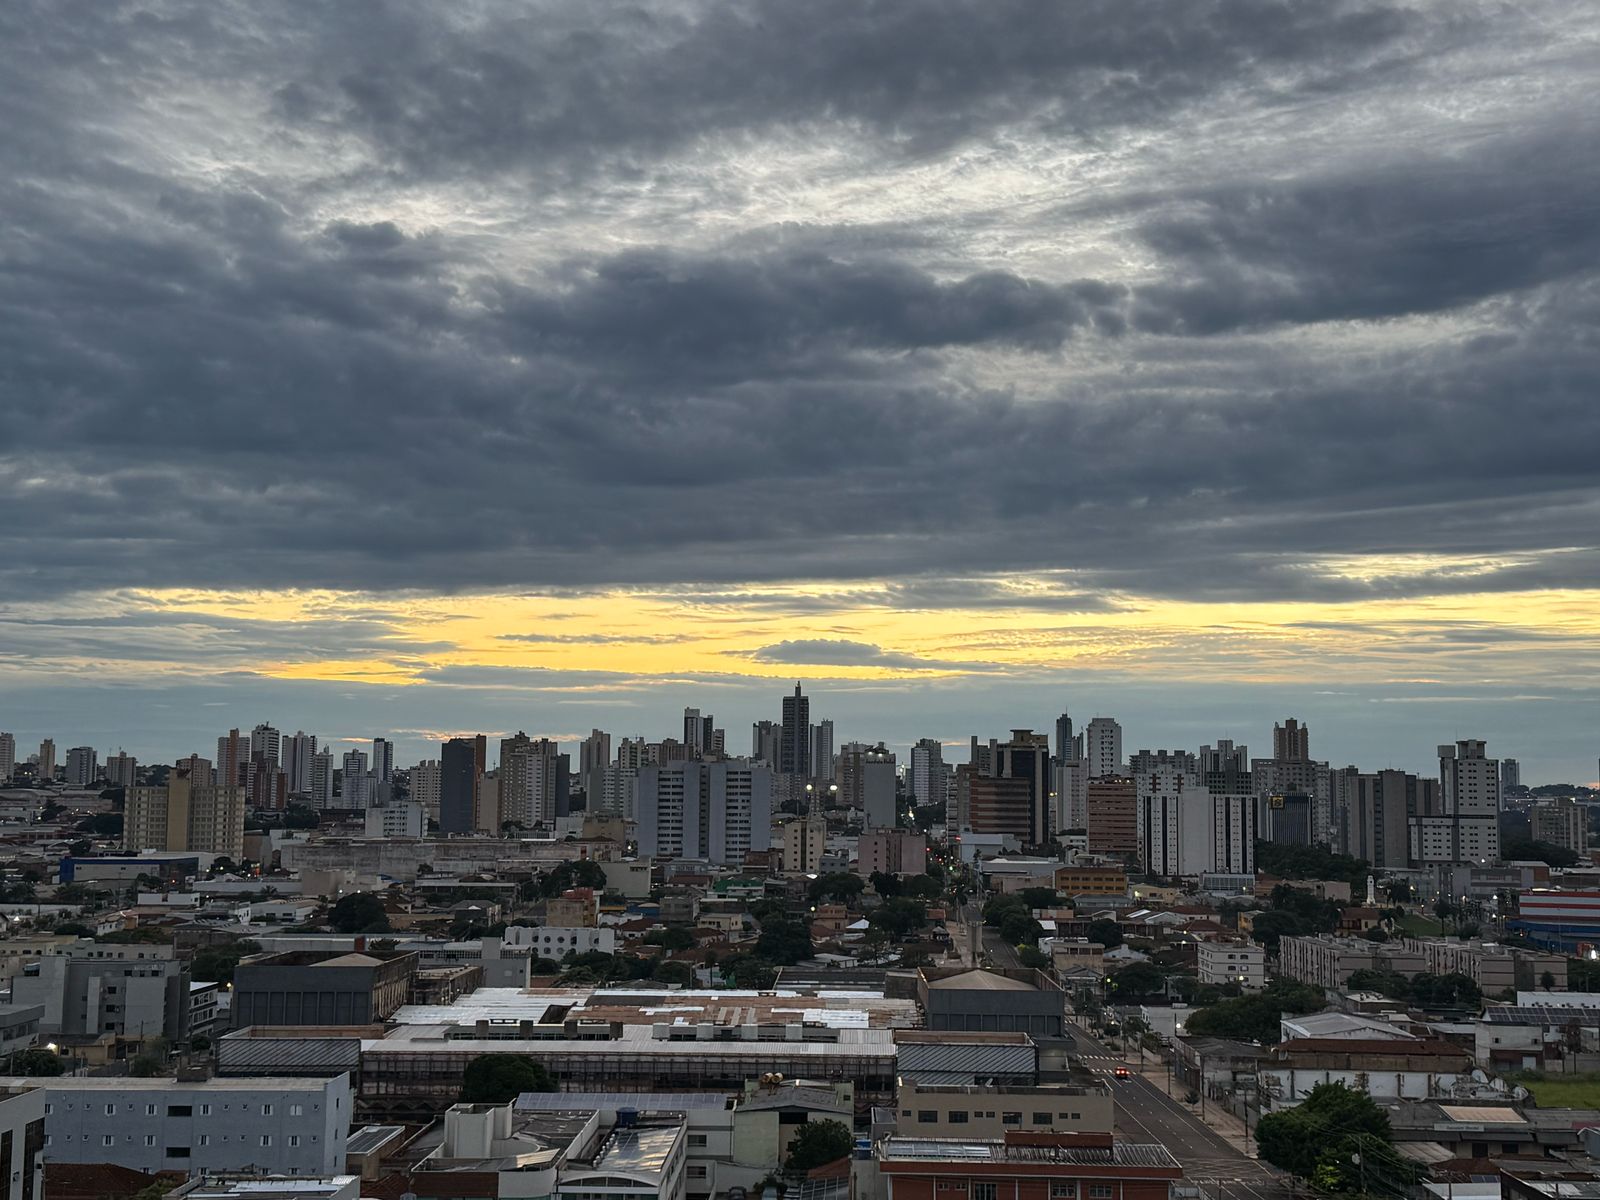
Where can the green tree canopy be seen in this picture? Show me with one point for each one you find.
(1311, 862)
(1138, 981)
(1255, 1018)
(899, 916)
(1339, 1139)
(839, 886)
(359, 912)
(215, 964)
(818, 1143)
(784, 942)
(38, 1062)
(501, 1078)
(1529, 850)
(1108, 933)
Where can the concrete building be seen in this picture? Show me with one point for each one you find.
(1291, 741)
(928, 772)
(382, 760)
(1025, 1166)
(1020, 1001)
(298, 750)
(1495, 968)
(556, 941)
(794, 744)
(717, 811)
(83, 766)
(892, 852)
(282, 1126)
(1378, 811)
(186, 815)
(1563, 823)
(22, 1134)
(233, 753)
(268, 743)
(955, 1110)
(803, 842)
(323, 778)
(1510, 775)
(993, 805)
(355, 784)
(396, 819)
(1468, 829)
(1113, 813)
(1386, 1069)
(1102, 748)
(423, 780)
(121, 770)
(460, 772)
(1026, 756)
(47, 760)
(866, 780)
(1243, 963)
(316, 988)
(86, 988)
(8, 756)
(1328, 962)
(822, 749)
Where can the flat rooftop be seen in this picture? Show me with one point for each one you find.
(939, 1150)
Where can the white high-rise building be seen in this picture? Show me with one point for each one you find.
(297, 752)
(1160, 780)
(267, 742)
(1469, 793)
(121, 770)
(531, 780)
(382, 760)
(83, 766)
(1102, 747)
(425, 786)
(322, 774)
(8, 757)
(594, 756)
(355, 784)
(927, 771)
(695, 810)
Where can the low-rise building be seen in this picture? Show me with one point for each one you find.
(1494, 967)
(1328, 962)
(1243, 963)
(309, 987)
(268, 1125)
(1026, 1166)
(557, 942)
(92, 988)
(1385, 1069)
(983, 1111)
(1001, 1001)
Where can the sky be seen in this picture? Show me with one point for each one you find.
(426, 369)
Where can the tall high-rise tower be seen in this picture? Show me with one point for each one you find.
(1291, 741)
(794, 751)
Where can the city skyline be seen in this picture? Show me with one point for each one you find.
(408, 369)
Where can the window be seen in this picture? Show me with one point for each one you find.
(266, 1139)
(958, 1116)
(266, 1110)
(149, 1139)
(180, 1110)
(1040, 1118)
(697, 1170)
(205, 1139)
(149, 1110)
(983, 1191)
(297, 1110)
(108, 1140)
(927, 1117)
(1063, 1191)
(205, 1110)
(1011, 1118)
(294, 1140)
(1100, 1191)
(697, 1139)
(111, 1110)
(177, 1152)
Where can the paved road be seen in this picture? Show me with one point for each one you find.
(1145, 1113)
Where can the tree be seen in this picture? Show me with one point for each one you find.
(884, 884)
(1138, 981)
(1530, 850)
(501, 1078)
(1031, 956)
(146, 1066)
(1039, 897)
(106, 825)
(1547, 981)
(1338, 1138)
(1288, 861)
(899, 916)
(1108, 933)
(359, 912)
(818, 1143)
(1020, 929)
(215, 964)
(747, 972)
(38, 1062)
(784, 942)
(839, 886)
(1256, 1018)
(672, 940)
(573, 874)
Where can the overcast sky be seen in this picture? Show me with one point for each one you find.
(483, 366)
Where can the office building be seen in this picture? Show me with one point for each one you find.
(1102, 747)
(1563, 823)
(185, 815)
(297, 754)
(91, 989)
(423, 780)
(533, 781)
(396, 819)
(996, 806)
(1297, 776)
(267, 742)
(265, 786)
(121, 770)
(1027, 756)
(794, 749)
(1031, 1166)
(47, 760)
(459, 778)
(1113, 816)
(1378, 810)
(488, 810)
(1287, 819)
(279, 1126)
(83, 766)
(8, 757)
(928, 772)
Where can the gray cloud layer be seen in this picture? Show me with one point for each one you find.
(1172, 300)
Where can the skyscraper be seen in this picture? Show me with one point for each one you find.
(794, 752)
(322, 774)
(1291, 741)
(8, 757)
(297, 752)
(355, 784)
(594, 756)
(424, 780)
(233, 754)
(822, 749)
(267, 742)
(382, 760)
(186, 815)
(927, 771)
(1027, 756)
(83, 766)
(1102, 747)
(765, 739)
(1510, 775)
(1064, 735)
(459, 774)
(1468, 827)
(533, 781)
(47, 760)
(121, 770)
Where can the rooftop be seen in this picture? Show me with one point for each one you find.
(936, 1150)
(981, 980)
(642, 1149)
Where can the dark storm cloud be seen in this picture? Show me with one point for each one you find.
(243, 344)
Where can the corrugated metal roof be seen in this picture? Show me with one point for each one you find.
(963, 1061)
(1121, 1154)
